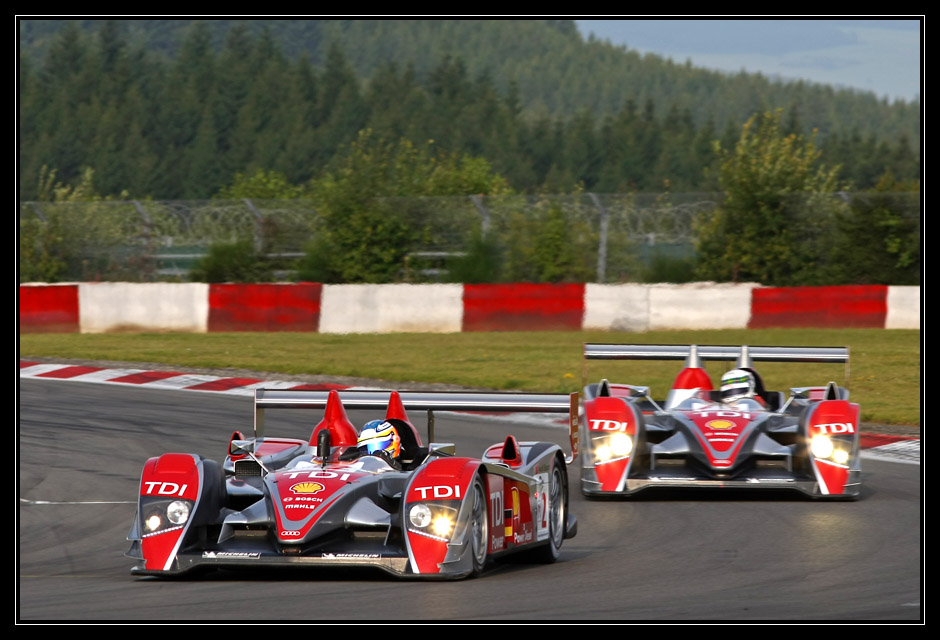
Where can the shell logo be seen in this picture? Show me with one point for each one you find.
(306, 487)
(719, 424)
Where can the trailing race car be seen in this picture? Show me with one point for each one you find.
(739, 436)
(379, 498)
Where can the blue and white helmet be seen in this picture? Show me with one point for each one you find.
(736, 385)
(380, 436)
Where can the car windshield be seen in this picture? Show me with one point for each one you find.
(375, 464)
(699, 403)
(693, 404)
(747, 404)
(368, 463)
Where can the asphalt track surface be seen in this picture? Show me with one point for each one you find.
(675, 558)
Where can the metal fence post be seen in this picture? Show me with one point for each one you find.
(259, 239)
(149, 260)
(38, 212)
(484, 214)
(148, 225)
(602, 241)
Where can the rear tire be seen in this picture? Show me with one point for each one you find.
(557, 516)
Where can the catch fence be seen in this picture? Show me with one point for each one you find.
(586, 237)
(606, 237)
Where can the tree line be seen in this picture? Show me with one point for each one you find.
(182, 127)
(103, 118)
(556, 70)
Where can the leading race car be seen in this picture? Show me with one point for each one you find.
(379, 498)
(740, 436)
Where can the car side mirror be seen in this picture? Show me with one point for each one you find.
(323, 444)
(240, 447)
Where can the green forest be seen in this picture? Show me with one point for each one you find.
(192, 110)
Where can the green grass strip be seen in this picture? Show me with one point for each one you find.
(884, 372)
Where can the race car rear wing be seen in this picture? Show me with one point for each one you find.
(429, 401)
(596, 351)
(744, 356)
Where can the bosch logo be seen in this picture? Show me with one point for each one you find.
(608, 425)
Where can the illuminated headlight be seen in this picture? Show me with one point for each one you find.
(178, 512)
(153, 523)
(442, 526)
(841, 456)
(617, 445)
(434, 520)
(160, 516)
(621, 444)
(420, 515)
(821, 446)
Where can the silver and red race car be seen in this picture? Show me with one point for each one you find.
(704, 437)
(327, 502)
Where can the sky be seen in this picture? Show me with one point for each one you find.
(883, 56)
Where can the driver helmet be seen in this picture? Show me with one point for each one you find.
(737, 384)
(380, 436)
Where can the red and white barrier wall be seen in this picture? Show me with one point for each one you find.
(450, 308)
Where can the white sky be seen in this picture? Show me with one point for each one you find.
(884, 56)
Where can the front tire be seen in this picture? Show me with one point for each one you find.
(479, 531)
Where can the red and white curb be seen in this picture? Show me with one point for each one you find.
(160, 379)
(896, 448)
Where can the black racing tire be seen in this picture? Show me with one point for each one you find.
(213, 496)
(557, 515)
(478, 527)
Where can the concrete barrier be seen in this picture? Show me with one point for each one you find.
(391, 308)
(700, 305)
(264, 307)
(451, 308)
(523, 307)
(863, 306)
(123, 306)
(904, 308)
(617, 307)
(49, 308)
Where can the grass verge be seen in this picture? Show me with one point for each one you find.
(884, 375)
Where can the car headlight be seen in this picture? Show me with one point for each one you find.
(432, 520)
(177, 512)
(442, 525)
(420, 515)
(160, 516)
(610, 447)
(153, 522)
(821, 446)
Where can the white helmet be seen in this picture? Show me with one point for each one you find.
(737, 384)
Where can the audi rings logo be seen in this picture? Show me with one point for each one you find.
(290, 534)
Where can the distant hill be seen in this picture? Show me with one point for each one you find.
(555, 70)
(177, 109)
